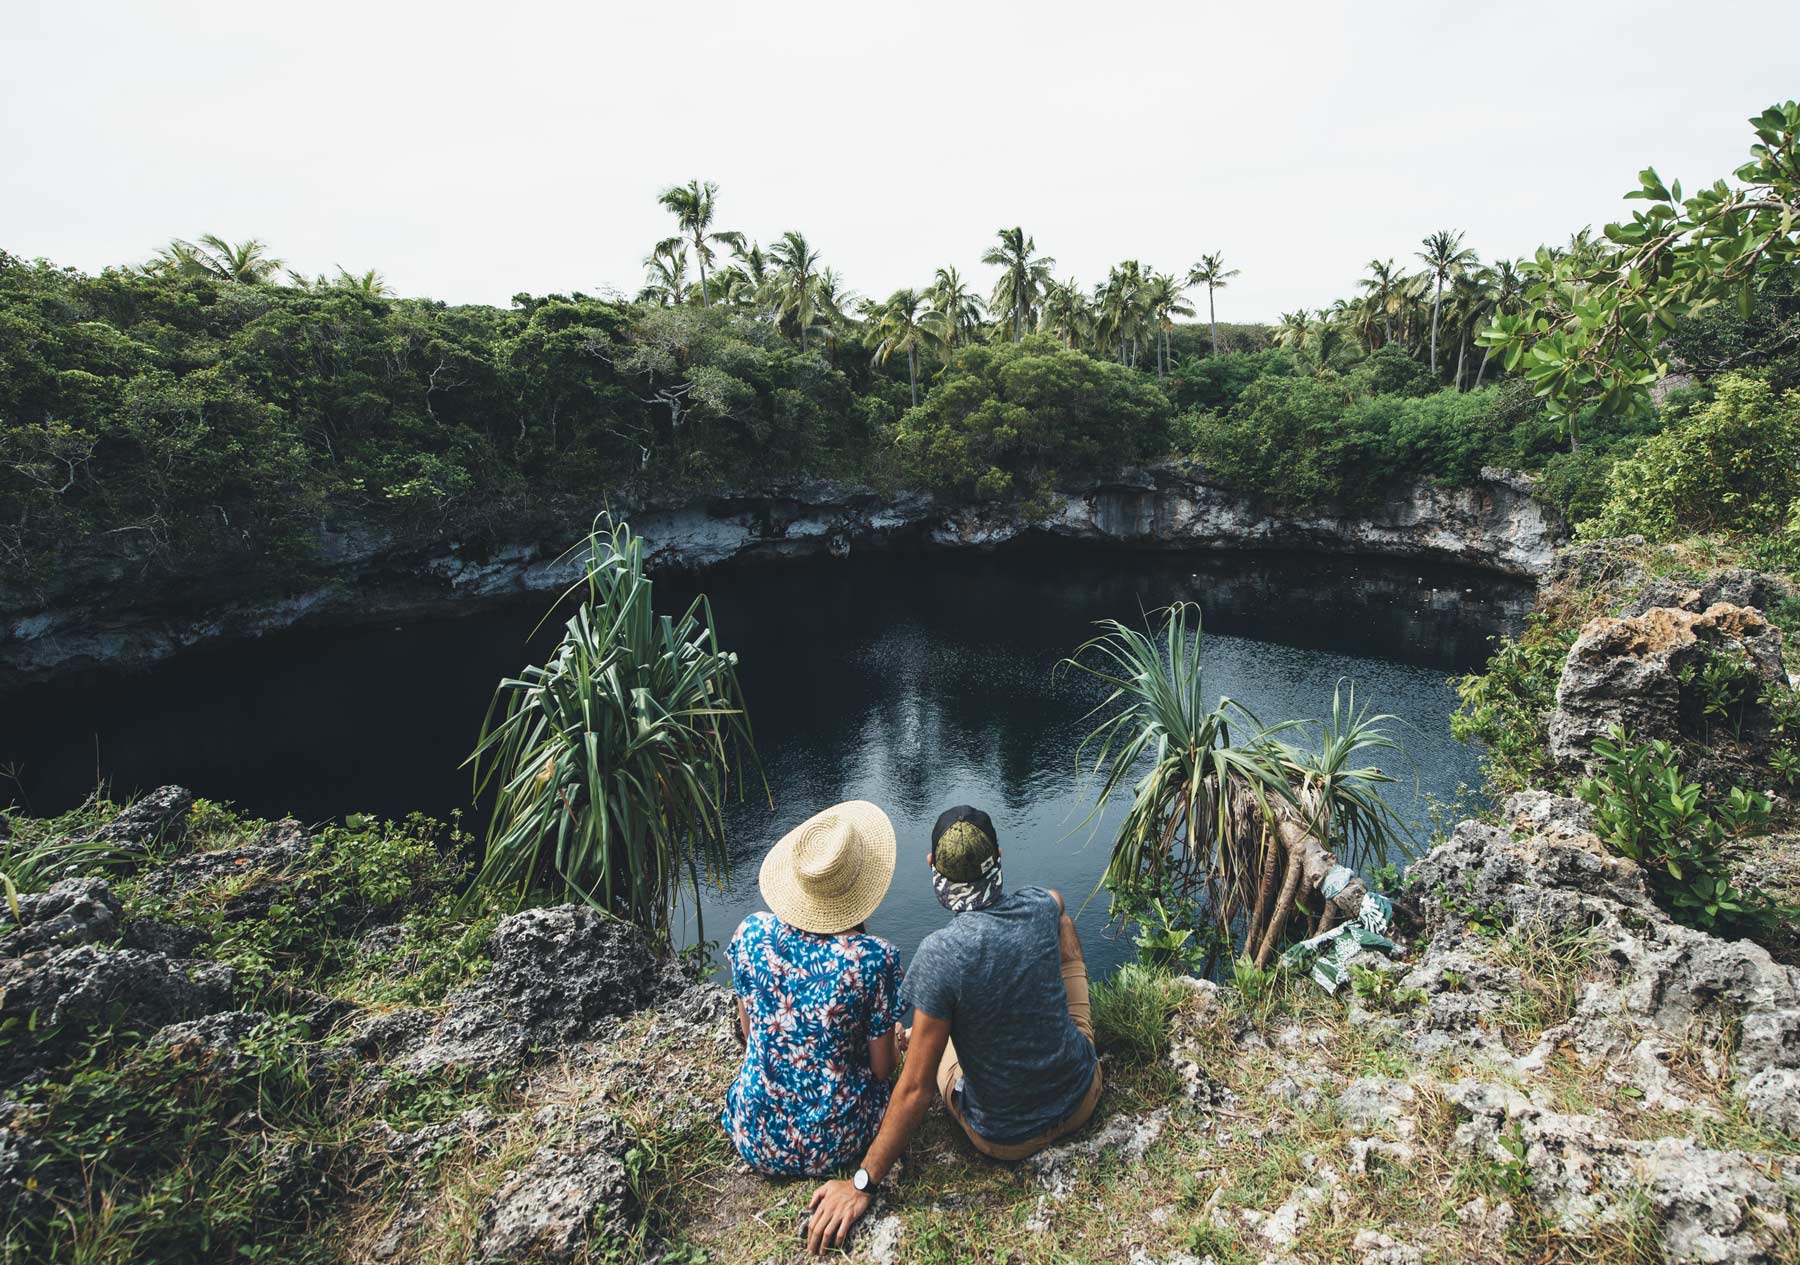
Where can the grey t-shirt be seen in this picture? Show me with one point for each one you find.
(996, 975)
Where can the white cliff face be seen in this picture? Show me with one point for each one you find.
(106, 612)
(1495, 525)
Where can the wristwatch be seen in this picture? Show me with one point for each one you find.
(861, 1180)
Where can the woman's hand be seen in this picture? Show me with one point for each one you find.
(836, 1207)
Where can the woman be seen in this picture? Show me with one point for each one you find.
(818, 1000)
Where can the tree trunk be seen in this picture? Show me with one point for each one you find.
(1462, 354)
(912, 373)
(700, 257)
(1480, 372)
(1298, 834)
(1212, 317)
(1435, 300)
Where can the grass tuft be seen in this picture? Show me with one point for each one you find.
(1132, 1010)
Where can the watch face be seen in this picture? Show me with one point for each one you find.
(861, 1180)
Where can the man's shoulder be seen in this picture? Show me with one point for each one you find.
(938, 943)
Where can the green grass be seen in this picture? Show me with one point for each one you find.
(1131, 1011)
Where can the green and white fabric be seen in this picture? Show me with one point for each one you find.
(1330, 954)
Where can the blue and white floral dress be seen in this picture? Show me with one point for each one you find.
(806, 1100)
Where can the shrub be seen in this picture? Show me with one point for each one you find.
(1649, 812)
(1217, 382)
(1507, 706)
(355, 875)
(1014, 419)
(1733, 466)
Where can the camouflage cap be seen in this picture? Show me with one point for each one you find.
(966, 857)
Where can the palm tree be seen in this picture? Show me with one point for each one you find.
(692, 206)
(1509, 282)
(1023, 278)
(1444, 256)
(1471, 304)
(955, 309)
(1067, 312)
(902, 324)
(748, 282)
(610, 763)
(1166, 302)
(1122, 309)
(1227, 811)
(1212, 273)
(666, 268)
(246, 263)
(1291, 332)
(834, 299)
(1382, 289)
(371, 283)
(795, 287)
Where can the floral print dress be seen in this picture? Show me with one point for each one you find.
(806, 1100)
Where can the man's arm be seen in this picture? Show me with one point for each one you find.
(837, 1205)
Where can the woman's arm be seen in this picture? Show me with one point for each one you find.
(884, 1054)
(743, 1022)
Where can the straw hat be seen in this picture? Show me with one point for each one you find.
(830, 872)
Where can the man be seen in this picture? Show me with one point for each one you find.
(1001, 1025)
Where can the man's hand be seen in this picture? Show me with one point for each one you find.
(902, 1038)
(836, 1206)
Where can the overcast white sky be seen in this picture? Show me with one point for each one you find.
(470, 151)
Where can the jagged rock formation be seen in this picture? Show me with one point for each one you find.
(557, 974)
(1629, 671)
(565, 1195)
(107, 609)
(1664, 994)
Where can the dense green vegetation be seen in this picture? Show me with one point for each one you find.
(210, 403)
(135, 1152)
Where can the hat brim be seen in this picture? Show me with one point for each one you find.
(809, 911)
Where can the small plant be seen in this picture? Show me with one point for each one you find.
(1132, 1009)
(1507, 707)
(1723, 683)
(1383, 989)
(1171, 934)
(1488, 919)
(1649, 812)
(1786, 767)
(1259, 988)
(1385, 878)
(1513, 1174)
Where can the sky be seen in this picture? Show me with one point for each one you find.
(473, 151)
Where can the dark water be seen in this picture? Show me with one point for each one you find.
(915, 683)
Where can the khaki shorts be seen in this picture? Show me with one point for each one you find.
(1075, 984)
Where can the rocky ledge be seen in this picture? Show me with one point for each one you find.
(114, 609)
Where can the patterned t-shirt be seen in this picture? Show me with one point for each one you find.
(806, 1100)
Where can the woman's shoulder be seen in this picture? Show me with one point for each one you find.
(757, 927)
(872, 946)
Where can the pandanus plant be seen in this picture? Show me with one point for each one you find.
(610, 764)
(1224, 810)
